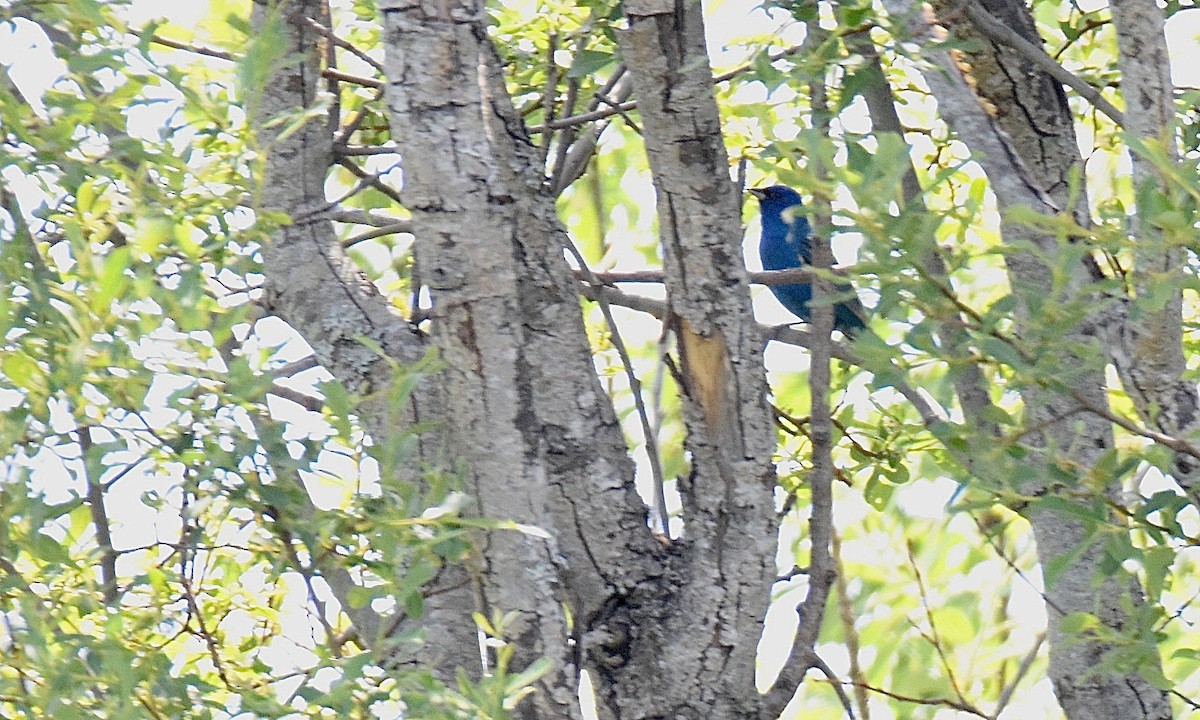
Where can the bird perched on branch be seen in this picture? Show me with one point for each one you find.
(785, 244)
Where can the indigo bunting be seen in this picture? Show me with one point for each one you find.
(785, 244)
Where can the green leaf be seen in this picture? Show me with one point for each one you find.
(857, 81)
(536, 670)
(1001, 351)
(47, 548)
(113, 279)
(21, 370)
(1079, 623)
(340, 405)
(1157, 561)
(587, 62)
(360, 597)
(84, 196)
(878, 490)
(954, 625)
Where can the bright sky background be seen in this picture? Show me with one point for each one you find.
(33, 67)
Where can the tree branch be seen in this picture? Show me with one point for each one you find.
(100, 522)
(969, 382)
(188, 47)
(658, 497)
(346, 45)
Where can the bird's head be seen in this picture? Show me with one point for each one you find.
(776, 197)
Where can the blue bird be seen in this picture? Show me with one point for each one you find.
(785, 244)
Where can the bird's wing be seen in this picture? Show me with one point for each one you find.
(852, 303)
(799, 237)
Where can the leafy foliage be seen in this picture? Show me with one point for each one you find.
(152, 563)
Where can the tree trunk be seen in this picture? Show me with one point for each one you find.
(1030, 152)
(310, 283)
(1149, 350)
(665, 629)
(537, 437)
(695, 647)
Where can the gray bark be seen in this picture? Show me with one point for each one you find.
(699, 659)
(537, 437)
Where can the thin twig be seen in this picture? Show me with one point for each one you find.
(574, 162)
(396, 228)
(584, 117)
(1185, 699)
(308, 573)
(780, 55)
(198, 49)
(304, 400)
(567, 140)
(659, 500)
(931, 702)
(821, 570)
(346, 131)
(1175, 444)
(621, 108)
(821, 665)
(616, 104)
(346, 45)
(100, 522)
(353, 150)
(210, 642)
(1012, 564)
(373, 180)
(107, 484)
(549, 95)
(362, 217)
(762, 277)
(1022, 670)
(846, 615)
(934, 638)
(354, 79)
(620, 75)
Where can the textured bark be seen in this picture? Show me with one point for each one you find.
(1150, 350)
(537, 437)
(1033, 124)
(698, 659)
(310, 284)
(665, 632)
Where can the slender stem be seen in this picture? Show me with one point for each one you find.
(95, 501)
(658, 504)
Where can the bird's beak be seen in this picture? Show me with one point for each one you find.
(759, 193)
